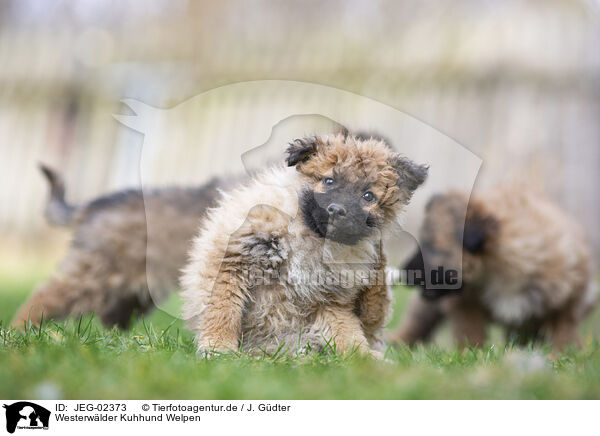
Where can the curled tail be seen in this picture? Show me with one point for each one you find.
(57, 212)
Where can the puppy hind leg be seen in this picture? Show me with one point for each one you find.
(84, 288)
(52, 300)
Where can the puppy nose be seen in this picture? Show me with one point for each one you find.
(336, 210)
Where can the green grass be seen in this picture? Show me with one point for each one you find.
(156, 359)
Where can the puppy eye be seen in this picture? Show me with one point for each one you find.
(368, 196)
(328, 181)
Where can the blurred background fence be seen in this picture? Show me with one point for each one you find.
(516, 82)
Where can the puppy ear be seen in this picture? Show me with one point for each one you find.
(477, 232)
(411, 175)
(301, 150)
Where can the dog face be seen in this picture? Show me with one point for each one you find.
(453, 241)
(352, 186)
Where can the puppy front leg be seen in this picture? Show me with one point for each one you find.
(345, 330)
(373, 307)
(220, 325)
(563, 332)
(469, 325)
(374, 304)
(420, 321)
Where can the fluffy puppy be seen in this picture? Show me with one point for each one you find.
(110, 261)
(525, 266)
(307, 232)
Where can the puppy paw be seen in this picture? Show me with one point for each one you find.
(376, 354)
(208, 352)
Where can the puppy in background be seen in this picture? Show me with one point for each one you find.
(525, 266)
(109, 263)
(305, 228)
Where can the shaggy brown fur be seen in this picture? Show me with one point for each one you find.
(110, 262)
(525, 266)
(300, 230)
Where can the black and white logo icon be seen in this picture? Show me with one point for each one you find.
(26, 415)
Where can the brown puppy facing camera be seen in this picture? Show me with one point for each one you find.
(306, 230)
(525, 266)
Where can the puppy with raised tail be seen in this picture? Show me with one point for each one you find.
(293, 259)
(110, 262)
